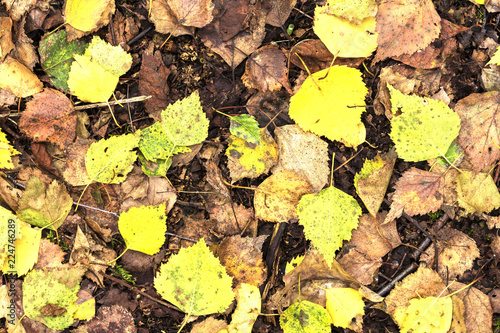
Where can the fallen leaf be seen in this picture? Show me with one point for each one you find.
(307, 317)
(277, 197)
(155, 144)
(279, 12)
(479, 134)
(247, 310)
(344, 305)
(477, 193)
(192, 13)
(109, 161)
(425, 129)
(429, 314)
(153, 77)
(266, 70)
(49, 116)
(456, 253)
(74, 171)
(250, 160)
(304, 153)
(478, 311)
(232, 219)
(27, 247)
(17, 8)
(44, 206)
(50, 255)
(332, 99)
(418, 192)
(370, 241)
(18, 79)
(195, 281)
(209, 325)
(344, 38)
(24, 50)
(242, 258)
(6, 44)
(328, 218)
(147, 240)
(88, 16)
(354, 11)
(165, 20)
(111, 316)
(245, 127)
(56, 57)
(404, 28)
(372, 181)
(6, 152)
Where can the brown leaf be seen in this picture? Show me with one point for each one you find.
(17, 8)
(235, 49)
(18, 79)
(115, 317)
(42, 157)
(194, 227)
(25, 51)
(153, 81)
(242, 258)
(280, 11)
(49, 117)
(494, 296)
(6, 44)
(405, 27)
(266, 70)
(417, 192)
(52, 310)
(456, 253)
(192, 13)
(478, 311)
(479, 128)
(125, 28)
(165, 20)
(304, 153)
(232, 219)
(74, 171)
(433, 56)
(9, 194)
(369, 243)
(50, 255)
(269, 110)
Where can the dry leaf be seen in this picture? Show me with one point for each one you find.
(6, 44)
(304, 153)
(478, 310)
(73, 170)
(165, 20)
(266, 70)
(18, 79)
(418, 192)
(280, 11)
(242, 258)
(479, 133)
(49, 116)
(405, 27)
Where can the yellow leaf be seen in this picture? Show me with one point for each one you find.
(27, 248)
(352, 10)
(85, 15)
(496, 57)
(6, 152)
(248, 309)
(277, 197)
(344, 304)
(89, 81)
(343, 38)
(330, 103)
(477, 193)
(132, 225)
(424, 315)
(246, 159)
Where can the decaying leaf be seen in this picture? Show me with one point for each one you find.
(195, 281)
(155, 144)
(43, 206)
(404, 28)
(266, 70)
(250, 160)
(425, 129)
(49, 116)
(247, 310)
(18, 79)
(456, 253)
(328, 218)
(372, 181)
(110, 160)
(418, 192)
(331, 106)
(304, 153)
(480, 132)
(478, 310)
(307, 317)
(277, 197)
(477, 193)
(242, 258)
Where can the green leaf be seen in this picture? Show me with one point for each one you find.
(110, 160)
(143, 228)
(307, 317)
(56, 56)
(328, 218)
(155, 169)
(44, 206)
(454, 155)
(185, 122)
(43, 289)
(245, 127)
(155, 144)
(425, 129)
(195, 281)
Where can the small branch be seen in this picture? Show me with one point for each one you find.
(120, 101)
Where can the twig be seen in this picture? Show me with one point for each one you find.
(120, 101)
